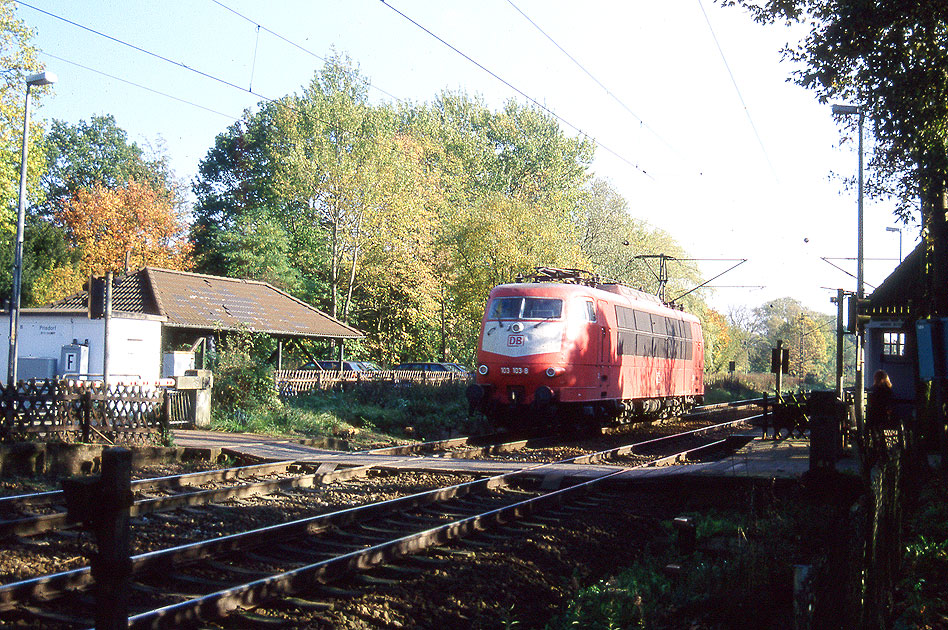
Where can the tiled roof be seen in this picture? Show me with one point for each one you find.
(190, 300)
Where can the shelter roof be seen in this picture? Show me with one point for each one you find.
(902, 292)
(202, 302)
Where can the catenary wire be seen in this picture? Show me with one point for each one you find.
(277, 102)
(738, 90)
(611, 94)
(138, 85)
(518, 90)
(292, 43)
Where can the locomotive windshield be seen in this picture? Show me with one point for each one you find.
(525, 308)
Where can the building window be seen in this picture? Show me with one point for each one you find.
(893, 344)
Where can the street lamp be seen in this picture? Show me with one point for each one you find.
(41, 78)
(899, 230)
(851, 110)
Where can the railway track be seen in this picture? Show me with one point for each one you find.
(181, 585)
(176, 491)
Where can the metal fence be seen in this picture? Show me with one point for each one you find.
(84, 411)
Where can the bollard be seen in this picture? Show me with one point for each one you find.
(102, 505)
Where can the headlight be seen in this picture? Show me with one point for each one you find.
(554, 371)
(482, 370)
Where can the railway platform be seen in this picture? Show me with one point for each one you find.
(760, 458)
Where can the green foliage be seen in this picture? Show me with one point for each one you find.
(243, 378)
(741, 566)
(367, 414)
(921, 600)
(807, 334)
(97, 152)
(17, 60)
(727, 389)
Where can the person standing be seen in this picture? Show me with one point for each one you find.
(879, 414)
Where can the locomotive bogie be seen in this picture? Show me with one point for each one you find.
(549, 351)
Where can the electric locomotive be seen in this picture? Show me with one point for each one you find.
(564, 347)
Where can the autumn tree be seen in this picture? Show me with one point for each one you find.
(134, 222)
(97, 152)
(804, 339)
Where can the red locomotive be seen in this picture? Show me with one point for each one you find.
(565, 347)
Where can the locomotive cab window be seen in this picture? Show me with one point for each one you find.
(590, 311)
(525, 308)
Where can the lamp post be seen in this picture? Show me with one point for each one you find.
(851, 110)
(899, 230)
(41, 78)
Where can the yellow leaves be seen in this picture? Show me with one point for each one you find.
(57, 283)
(136, 220)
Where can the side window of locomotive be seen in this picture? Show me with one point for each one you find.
(590, 311)
(643, 322)
(542, 308)
(658, 324)
(505, 308)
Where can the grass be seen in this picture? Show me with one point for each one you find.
(739, 576)
(372, 413)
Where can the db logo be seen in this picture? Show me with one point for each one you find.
(515, 340)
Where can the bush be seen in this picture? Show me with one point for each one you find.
(243, 380)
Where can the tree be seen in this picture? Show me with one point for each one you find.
(803, 337)
(889, 59)
(17, 59)
(134, 222)
(234, 188)
(331, 145)
(98, 152)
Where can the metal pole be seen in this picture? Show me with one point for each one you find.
(779, 377)
(860, 292)
(839, 343)
(18, 252)
(105, 331)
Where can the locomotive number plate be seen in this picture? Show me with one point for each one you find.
(515, 340)
(516, 370)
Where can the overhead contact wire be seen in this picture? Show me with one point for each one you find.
(290, 42)
(517, 90)
(171, 61)
(138, 85)
(591, 76)
(738, 90)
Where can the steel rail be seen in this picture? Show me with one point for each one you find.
(32, 525)
(252, 594)
(168, 481)
(601, 456)
(48, 587)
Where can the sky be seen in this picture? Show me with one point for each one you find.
(697, 125)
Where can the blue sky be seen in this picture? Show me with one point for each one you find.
(731, 172)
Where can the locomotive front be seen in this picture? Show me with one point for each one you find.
(525, 336)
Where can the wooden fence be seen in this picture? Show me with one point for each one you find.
(295, 382)
(84, 411)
